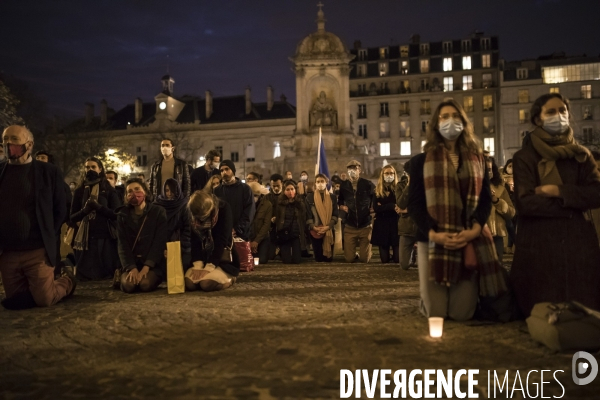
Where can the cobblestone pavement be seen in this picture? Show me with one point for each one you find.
(280, 332)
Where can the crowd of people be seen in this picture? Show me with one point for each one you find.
(452, 213)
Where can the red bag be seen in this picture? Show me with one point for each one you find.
(470, 257)
(244, 253)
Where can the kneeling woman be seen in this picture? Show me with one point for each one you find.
(450, 201)
(142, 232)
(215, 264)
(290, 220)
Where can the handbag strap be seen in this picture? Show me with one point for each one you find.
(139, 232)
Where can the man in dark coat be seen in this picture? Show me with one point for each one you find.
(32, 209)
(169, 167)
(112, 177)
(202, 174)
(240, 198)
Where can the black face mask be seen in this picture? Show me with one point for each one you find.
(91, 175)
(336, 192)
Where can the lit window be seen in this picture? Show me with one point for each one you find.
(404, 129)
(403, 51)
(488, 144)
(488, 124)
(424, 66)
(404, 67)
(362, 131)
(522, 73)
(586, 91)
(448, 84)
(405, 148)
(468, 103)
(425, 107)
(384, 130)
(488, 102)
(362, 111)
(467, 82)
(447, 47)
(404, 108)
(486, 81)
(384, 149)
(404, 87)
(571, 73)
(554, 90)
(523, 116)
(466, 62)
(384, 110)
(276, 150)
(447, 63)
(383, 68)
(383, 52)
(524, 96)
(486, 61)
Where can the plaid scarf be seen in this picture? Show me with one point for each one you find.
(448, 193)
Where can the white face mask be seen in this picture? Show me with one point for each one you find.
(556, 124)
(304, 178)
(215, 165)
(352, 173)
(321, 186)
(166, 151)
(388, 178)
(451, 128)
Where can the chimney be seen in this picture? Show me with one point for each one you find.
(269, 98)
(209, 104)
(248, 101)
(138, 110)
(89, 113)
(415, 39)
(357, 44)
(103, 112)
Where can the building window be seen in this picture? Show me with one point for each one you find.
(468, 103)
(404, 129)
(424, 49)
(571, 73)
(362, 131)
(404, 67)
(424, 66)
(486, 60)
(425, 107)
(362, 55)
(488, 125)
(466, 46)
(448, 84)
(404, 87)
(384, 149)
(523, 116)
(588, 134)
(466, 62)
(447, 47)
(587, 112)
(524, 96)
(384, 110)
(383, 52)
(362, 111)
(488, 144)
(276, 150)
(384, 130)
(235, 156)
(467, 82)
(586, 91)
(405, 148)
(486, 44)
(383, 68)
(486, 81)
(554, 90)
(403, 51)
(522, 73)
(142, 161)
(138, 149)
(404, 108)
(384, 88)
(361, 70)
(488, 102)
(447, 63)
(424, 85)
(362, 88)
(424, 125)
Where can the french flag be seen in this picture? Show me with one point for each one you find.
(321, 167)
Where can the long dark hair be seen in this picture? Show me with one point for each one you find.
(496, 179)
(536, 108)
(508, 162)
(104, 185)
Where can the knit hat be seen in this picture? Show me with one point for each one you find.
(228, 163)
(257, 188)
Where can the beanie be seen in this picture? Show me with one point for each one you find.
(228, 163)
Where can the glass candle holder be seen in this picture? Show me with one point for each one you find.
(256, 261)
(436, 327)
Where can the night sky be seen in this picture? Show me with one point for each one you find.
(74, 51)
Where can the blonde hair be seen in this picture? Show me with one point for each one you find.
(201, 204)
(380, 189)
(467, 138)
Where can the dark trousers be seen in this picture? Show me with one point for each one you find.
(291, 251)
(317, 245)
(266, 251)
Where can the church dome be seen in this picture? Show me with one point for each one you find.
(321, 44)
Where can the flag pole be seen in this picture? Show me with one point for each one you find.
(318, 153)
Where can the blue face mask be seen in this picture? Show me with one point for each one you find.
(556, 124)
(451, 128)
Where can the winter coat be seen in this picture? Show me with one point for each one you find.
(312, 216)
(200, 177)
(240, 198)
(557, 256)
(181, 174)
(501, 211)
(300, 214)
(359, 203)
(262, 220)
(406, 225)
(385, 226)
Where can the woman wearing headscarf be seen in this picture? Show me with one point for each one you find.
(385, 227)
(92, 214)
(321, 217)
(178, 218)
(261, 224)
(450, 201)
(215, 264)
(557, 257)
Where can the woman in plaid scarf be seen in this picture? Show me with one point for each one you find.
(450, 201)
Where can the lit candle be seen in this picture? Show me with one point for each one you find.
(256, 261)
(436, 327)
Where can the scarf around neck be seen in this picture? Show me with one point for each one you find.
(450, 195)
(324, 210)
(552, 148)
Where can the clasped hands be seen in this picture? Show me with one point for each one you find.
(136, 276)
(455, 241)
(321, 230)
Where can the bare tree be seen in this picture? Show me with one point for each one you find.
(8, 107)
